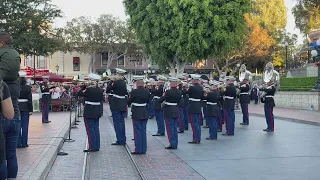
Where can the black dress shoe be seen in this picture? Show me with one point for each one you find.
(219, 130)
(180, 131)
(169, 147)
(132, 139)
(135, 153)
(268, 130)
(158, 134)
(211, 138)
(194, 142)
(244, 124)
(225, 134)
(265, 129)
(87, 150)
(117, 144)
(205, 126)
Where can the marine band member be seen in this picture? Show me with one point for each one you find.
(269, 105)
(157, 92)
(244, 101)
(229, 104)
(171, 98)
(46, 98)
(139, 99)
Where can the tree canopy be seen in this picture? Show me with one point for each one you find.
(29, 22)
(307, 15)
(177, 31)
(106, 34)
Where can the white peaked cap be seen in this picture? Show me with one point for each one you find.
(160, 77)
(214, 83)
(137, 78)
(230, 78)
(22, 74)
(94, 77)
(173, 79)
(195, 76)
(120, 71)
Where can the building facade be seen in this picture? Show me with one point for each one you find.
(139, 65)
(69, 64)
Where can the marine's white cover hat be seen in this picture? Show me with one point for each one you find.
(94, 77)
(214, 83)
(22, 74)
(120, 71)
(173, 79)
(160, 77)
(195, 76)
(230, 78)
(138, 78)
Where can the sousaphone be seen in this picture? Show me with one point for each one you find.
(269, 74)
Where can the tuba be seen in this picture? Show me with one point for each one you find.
(244, 74)
(269, 74)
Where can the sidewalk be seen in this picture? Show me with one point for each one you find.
(290, 114)
(44, 142)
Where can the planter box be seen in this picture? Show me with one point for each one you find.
(299, 100)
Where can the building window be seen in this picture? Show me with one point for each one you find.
(76, 64)
(41, 62)
(121, 61)
(104, 59)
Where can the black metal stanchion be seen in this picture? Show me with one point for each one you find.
(70, 124)
(78, 111)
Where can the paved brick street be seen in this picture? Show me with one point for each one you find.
(43, 143)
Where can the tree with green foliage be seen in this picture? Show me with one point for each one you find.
(307, 15)
(29, 22)
(107, 34)
(174, 32)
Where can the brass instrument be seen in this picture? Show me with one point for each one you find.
(269, 75)
(244, 74)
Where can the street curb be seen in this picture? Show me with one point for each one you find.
(288, 119)
(44, 165)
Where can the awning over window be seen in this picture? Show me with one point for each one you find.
(76, 60)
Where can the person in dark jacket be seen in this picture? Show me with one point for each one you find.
(157, 92)
(119, 106)
(244, 101)
(7, 112)
(26, 109)
(139, 99)
(171, 98)
(195, 93)
(228, 106)
(269, 105)
(254, 94)
(213, 110)
(93, 96)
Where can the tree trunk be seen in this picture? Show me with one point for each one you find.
(93, 62)
(172, 69)
(180, 68)
(90, 63)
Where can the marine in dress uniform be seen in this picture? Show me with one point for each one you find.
(46, 98)
(138, 100)
(150, 105)
(244, 101)
(93, 95)
(26, 109)
(229, 105)
(157, 92)
(269, 105)
(181, 121)
(221, 115)
(185, 96)
(119, 106)
(194, 107)
(171, 98)
(213, 110)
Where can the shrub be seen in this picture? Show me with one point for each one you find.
(298, 84)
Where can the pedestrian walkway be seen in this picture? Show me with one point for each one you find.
(296, 115)
(44, 142)
(159, 163)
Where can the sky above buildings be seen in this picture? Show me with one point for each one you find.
(93, 8)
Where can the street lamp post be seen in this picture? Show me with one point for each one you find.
(286, 45)
(57, 68)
